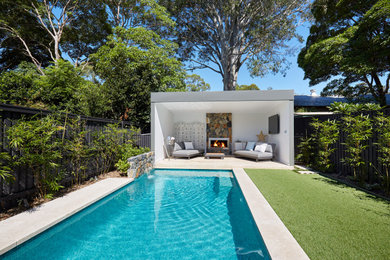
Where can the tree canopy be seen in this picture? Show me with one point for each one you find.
(118, 52)
(195, 82)
(349, 44)
(223, 35)
(252, 86)
(133, 63)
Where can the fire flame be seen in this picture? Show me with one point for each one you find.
(218, 144)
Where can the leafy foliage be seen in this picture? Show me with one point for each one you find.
(59, 87)
(383, 130)
(340, 107)
(252, 86)
(195, 82)
(358, 129)
(5, 169)
(75, 149)
(17, 86)
(39, 149)
(306, 151)
(107, 147)
(326, 134)
(129, 150)
(349, 43)
(133, 63)
(17, 24)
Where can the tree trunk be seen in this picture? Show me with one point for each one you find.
(230, 80)
(57, 48)
(230, 72)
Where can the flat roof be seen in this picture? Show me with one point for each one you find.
(205, 96)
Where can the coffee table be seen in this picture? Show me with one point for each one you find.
(214, 155)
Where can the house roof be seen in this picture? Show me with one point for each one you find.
(318, 101)
(212, 96)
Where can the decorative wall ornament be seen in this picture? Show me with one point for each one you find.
(195, 132)
(261, 137)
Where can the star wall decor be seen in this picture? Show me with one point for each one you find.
(261, 137)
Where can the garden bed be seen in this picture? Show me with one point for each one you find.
(36, 201)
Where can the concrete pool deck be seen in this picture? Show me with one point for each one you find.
(19, 228)
(228, 163)
(278, 239)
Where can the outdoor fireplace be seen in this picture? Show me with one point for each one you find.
(219, 143)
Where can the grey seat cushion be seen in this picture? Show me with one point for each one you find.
(185, 153)
(254, 155)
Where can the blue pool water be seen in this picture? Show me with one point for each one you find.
(170, 214)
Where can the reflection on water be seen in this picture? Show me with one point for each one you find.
(245, 235)
(216, 186)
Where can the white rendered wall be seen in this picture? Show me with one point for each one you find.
(245, 126)
(189, 117)
(162, 127)
(285, 139)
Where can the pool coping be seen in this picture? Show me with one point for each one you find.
(279, 241)
(20, 228)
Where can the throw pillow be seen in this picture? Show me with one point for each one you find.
(188, 146)
(250, 145)
(177, 147)
(261, 148)
(238, 146)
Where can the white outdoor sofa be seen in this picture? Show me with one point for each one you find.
(268, 154)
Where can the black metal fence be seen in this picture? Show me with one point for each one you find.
(23, 185)
(302, 128)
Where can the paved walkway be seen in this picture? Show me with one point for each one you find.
(217, 163)
(17, 229)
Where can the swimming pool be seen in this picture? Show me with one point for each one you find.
(169, 214)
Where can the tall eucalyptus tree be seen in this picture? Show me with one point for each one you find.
(222, 35)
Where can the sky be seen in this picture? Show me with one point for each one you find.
(293, 79)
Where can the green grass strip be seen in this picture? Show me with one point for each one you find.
(328, 219)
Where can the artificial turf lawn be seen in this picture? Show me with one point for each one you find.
(328, 219)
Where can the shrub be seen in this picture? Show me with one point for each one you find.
(306, 151)
(5, 169)
(347, 108)
(326, 134)
(129, 151)
(383, 130)
(75, 148)
(38, 145)
(107, 146)
(358, 129)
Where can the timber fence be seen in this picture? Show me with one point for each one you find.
(23, 185)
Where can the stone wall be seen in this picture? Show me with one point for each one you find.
(219, 125)
(140, 164)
